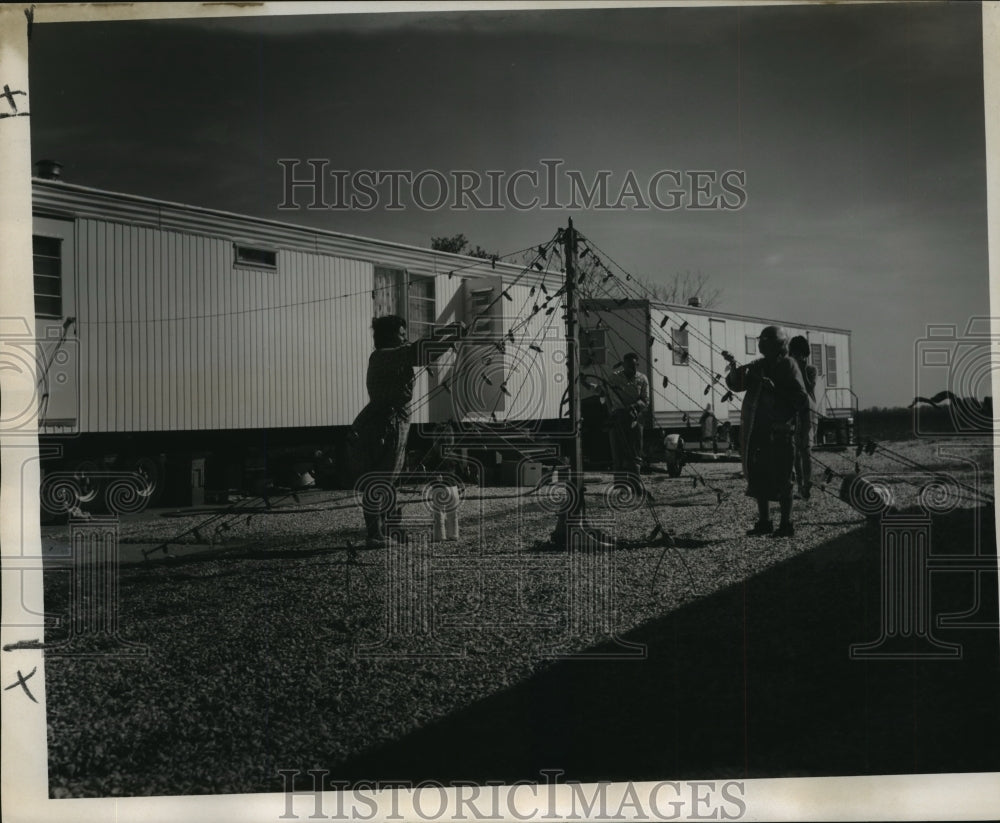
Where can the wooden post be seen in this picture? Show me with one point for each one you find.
(572, 516)
(577, 508)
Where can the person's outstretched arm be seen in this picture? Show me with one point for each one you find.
(437, 342)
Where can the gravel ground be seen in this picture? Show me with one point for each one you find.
(275, 647)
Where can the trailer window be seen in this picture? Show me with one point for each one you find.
(385, 292)
(255, 258)
(420, 308)
(831, 366)
(679, 339)
(816, 357)
(47, 259)
(594, 345)
(751, 344)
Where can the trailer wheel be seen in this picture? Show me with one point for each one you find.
(674, 454)
(151, 477)
(89, 482)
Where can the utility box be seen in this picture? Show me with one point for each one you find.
(531, 473)
(197, 481)
(186, 481)
(517, 473)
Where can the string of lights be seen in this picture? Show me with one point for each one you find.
(698, 476)
(711, 376)
(637, 285)
(466, 365)
(665, 380)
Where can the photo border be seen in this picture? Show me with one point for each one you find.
(24, 750)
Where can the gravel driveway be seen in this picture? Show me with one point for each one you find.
(273, 640)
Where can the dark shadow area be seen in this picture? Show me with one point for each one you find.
(753, 681)
(245, 552)
(682, 542)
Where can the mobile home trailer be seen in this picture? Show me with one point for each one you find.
(166, 330)
(682, 351)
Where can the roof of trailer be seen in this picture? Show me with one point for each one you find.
(50, 197)
(708, 312)
(59, 197)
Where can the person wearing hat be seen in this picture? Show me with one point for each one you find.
(376, 442)
(628, 400)
(775, 398)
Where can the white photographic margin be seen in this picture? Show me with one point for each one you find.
(24, 751)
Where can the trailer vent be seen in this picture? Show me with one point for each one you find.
(255, 258)
(48, 170)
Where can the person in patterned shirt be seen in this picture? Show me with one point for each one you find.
(775, 398)
(628, 401)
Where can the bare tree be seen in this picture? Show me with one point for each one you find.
(681, 288)
(678, 290)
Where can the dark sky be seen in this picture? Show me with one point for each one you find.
(860, 130)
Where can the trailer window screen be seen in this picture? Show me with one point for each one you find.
(420, 307)
(47, 258)
(831, 366)
(751, 344)
(385, 291)
(593, 343)
(679, 339)
(254, 258)
(816, 357)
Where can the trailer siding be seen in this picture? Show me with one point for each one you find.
(174, 337)
(68, 201)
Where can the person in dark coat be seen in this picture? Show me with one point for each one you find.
(775, 398)
(805, 428)
(376, 443)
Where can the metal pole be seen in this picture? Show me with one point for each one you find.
(573, 370)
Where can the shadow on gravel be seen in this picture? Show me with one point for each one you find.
(682, 542)
(203, 562)
(753, 681)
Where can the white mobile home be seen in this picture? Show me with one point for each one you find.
(166, 331)
(681, 348)
(164, 326)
